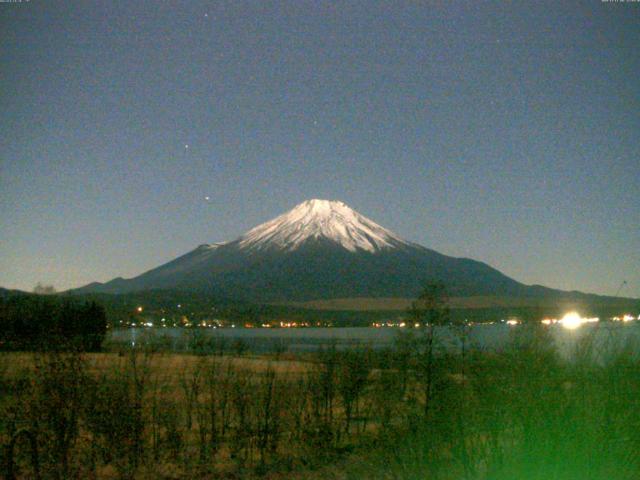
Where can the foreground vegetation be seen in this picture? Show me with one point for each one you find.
(410, 412)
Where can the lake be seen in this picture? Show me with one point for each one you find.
(481, 336)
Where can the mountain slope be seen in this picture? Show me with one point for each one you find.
(320, 250)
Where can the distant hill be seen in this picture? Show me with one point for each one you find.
(197, 306)
(565, 302)
(5, 292)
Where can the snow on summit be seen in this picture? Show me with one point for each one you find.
(332, 220)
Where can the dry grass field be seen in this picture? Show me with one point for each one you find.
(166, 364)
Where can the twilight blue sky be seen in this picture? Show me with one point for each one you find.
(505, 132)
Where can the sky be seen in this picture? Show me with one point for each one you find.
(506, 132)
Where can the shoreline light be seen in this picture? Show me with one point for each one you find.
(573, 320)
(625, 318)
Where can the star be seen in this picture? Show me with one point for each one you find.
(207, 198)
(186, 147)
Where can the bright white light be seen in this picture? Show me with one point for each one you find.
(513, 322)
(573, 320)
(627, 318)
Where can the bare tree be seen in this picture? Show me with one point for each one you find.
(353, 372)
(429, 310)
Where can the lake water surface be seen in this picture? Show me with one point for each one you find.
(605, 335)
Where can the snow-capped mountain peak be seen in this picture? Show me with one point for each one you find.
(320, 219)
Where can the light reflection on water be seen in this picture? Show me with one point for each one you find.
(602, 336)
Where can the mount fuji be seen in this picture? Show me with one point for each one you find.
(319, 250)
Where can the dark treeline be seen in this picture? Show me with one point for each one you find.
(36, 322)
(197, 306)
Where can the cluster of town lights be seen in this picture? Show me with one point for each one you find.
(573, 320)
(570, 321)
